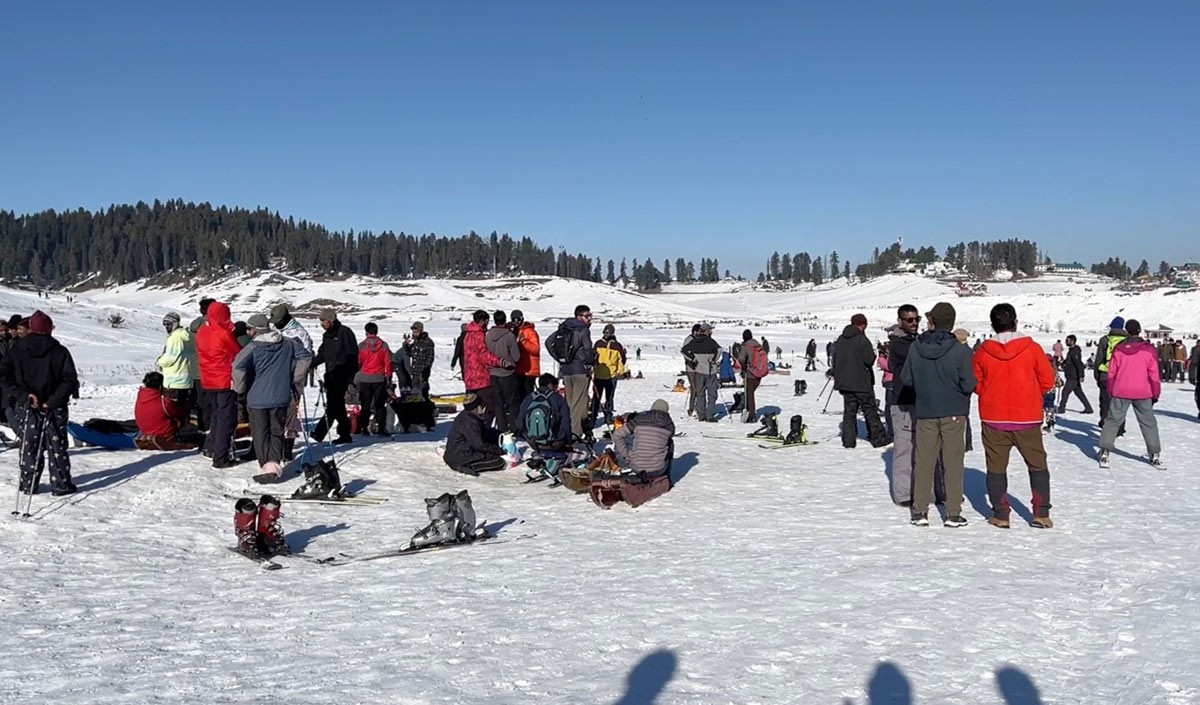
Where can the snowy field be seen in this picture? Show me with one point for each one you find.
(764, 576)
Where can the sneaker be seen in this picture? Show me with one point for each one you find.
(907, 504)
(343, 440)
(919, 519)
(1042, 523)
(223, 463)
(1156, 460)
(998, 522)
(1103, 458)
(953, 522)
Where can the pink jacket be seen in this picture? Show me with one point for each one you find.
(476, 359)
(882, 362)
(1133, 371)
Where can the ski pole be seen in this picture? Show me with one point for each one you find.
(827, 381)
(21, 470)
(37, 462)
(823, 410)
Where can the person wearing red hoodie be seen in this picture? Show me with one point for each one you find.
(477, 361)
(374, 372)
(215, 349)
(158, 419)
(1133, 380)
(1012, 374)
(529, 367)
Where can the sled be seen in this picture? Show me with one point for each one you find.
(107, 435)
(607, 489)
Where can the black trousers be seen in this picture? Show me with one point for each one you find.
(203, 407)
(606, 388)
(482, 465)
(335, 413)
(488, 396)
(508, 402)
(184, 399)
(266, 430)
(372, 402)
(852, 404)
(1073, 386)
(222, 423)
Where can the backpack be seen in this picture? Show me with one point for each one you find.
(759, 365)
(539, 418)
(558, 344)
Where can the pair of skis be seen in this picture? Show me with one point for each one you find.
(352, 500)
(270, 562)
(764, 442)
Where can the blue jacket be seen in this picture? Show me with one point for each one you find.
(939, 370)
(271, 364)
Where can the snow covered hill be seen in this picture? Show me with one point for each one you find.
(764, 576)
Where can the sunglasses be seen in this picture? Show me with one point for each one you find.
(911, 319)
(587, 316)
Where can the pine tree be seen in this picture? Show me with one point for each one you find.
(833, 265)
(612, 277)
(818, 272)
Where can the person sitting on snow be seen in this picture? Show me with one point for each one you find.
(645, 443)
(473, 447)
(157, 418)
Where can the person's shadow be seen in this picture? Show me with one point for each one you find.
(889, 686)
(1017, 687)
(682, 465)
(649, 678)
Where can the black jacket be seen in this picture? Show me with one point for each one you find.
(900, 394)
(1073, 368)
(470, 441)
(41, 366)
(853, 362)
(811, 350)
(339, 354)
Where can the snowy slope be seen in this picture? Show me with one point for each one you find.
(765, 576)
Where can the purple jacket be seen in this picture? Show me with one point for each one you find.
(1133, 371)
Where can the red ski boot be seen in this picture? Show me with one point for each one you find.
(270, 532)
(245, 515)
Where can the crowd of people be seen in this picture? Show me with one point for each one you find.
(217, 379)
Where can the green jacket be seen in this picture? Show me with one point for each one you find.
(1105, 350)
(178, 360)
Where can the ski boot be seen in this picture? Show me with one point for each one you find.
(798, 432)
(464, 515)
(769, 428)
(800, 388)
(441, 522)
(245, 514)
(739, 402)
(270, 532)
(321, 481)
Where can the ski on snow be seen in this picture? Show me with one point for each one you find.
(409, 550)
(352, 500)
(780, 446)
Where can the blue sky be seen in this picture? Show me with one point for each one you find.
(636, 129)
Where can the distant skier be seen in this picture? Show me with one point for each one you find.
(810, 355)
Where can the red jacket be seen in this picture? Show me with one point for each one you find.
(155, 414)
(374, 359)
(216, 347)
(1012, 377)
(530, 364)
(476, 358)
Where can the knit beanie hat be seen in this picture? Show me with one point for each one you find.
(279, 315)
(942, 314)
(1133, 328)
(858, 319)
(259, 323)
(40, 323)
(660, 405)
(1118, 323)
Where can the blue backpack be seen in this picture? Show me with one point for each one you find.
(539, 418)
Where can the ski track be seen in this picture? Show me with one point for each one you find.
(763, 577)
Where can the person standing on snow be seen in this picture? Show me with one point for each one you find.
(810, 355)
(477, 361)
(421, 353)
(1104, 348)
(1132, 382)
(177, 364)
(1013, 374)
(41, 373)
(529, 367)
(576, 366)
(271, 361)
(374, 373)
(689, 367)
(830, 351)
(750, 376)
(610, 367)
(854, 378)
(939, 370)
(706, 353)
(281, 318)
(1073, 371)
(1057, 349)
(215, 349)
(502, 344)
(339, 354)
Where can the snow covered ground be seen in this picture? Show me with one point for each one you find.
(765, 576)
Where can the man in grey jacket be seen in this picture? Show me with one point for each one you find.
(689, 369)
(706, 353)
(503, 344)
(939, 371)
(267, 370)
(576, 367)
(645, 443)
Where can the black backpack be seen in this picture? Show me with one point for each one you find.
(558, 344)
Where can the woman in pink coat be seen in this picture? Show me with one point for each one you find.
(1133, 380)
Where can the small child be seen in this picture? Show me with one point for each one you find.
(1049, 403)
